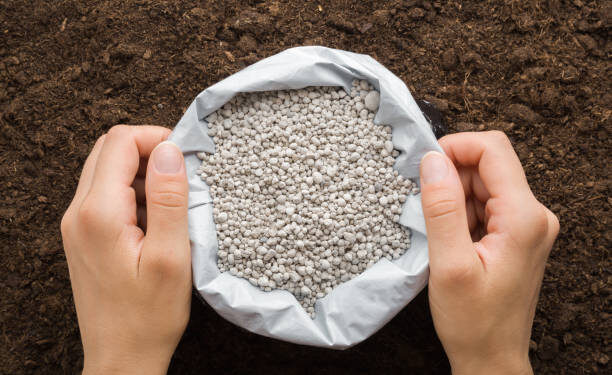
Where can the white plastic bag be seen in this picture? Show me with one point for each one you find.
(355, 309)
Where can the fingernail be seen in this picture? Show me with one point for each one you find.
(167, 158)
(433, 167)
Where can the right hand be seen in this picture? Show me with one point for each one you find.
(489, 239)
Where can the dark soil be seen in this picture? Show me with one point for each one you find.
(538, 70)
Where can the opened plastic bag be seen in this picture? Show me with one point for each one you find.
(356, 309)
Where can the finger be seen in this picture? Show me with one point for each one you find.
(492, 154)
(166, 247)
(139, 188)
(116, 168)
(511, 208)
(88, 171)
(120, 156)
(451, 251)
(479, 191)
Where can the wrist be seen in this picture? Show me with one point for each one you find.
(502, 365)
(117, 368)
(125, 362)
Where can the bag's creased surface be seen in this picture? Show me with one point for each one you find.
(355, 309)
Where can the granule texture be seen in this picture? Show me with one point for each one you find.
(305, 195)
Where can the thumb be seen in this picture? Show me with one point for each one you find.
(451, 252)
(167, 238)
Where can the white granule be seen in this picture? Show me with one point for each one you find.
(304, 193)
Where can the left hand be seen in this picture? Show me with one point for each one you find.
(132, 290)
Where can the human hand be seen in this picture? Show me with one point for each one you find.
(488, 242)
(132, 290)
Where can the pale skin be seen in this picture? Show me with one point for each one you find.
(126, 241)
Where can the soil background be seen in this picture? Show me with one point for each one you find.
(538, 70)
